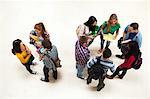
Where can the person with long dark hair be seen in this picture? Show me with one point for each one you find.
(131, 53)
(88, 29)
(23, 54)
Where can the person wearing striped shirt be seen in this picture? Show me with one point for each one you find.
(104, 60)
(82, 55)
(104, 63)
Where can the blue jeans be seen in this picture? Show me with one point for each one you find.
(80, 69)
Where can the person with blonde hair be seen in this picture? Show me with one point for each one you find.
(109, 31)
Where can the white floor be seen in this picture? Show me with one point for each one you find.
(61, 19)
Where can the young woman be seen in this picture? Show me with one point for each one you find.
(110, 27)
(131, 55)
(38, 34)
(23, 54)
(88, 29)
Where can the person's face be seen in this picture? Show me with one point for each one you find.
(38, 29)
(113, 21)
(131, 30)
(94, 24)
(22, 47)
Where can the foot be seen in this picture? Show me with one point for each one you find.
(100, 50)
(43, 79)
(59, 66)
(34, 72)
(120, 77)
(109, 77)
(88, 81)
(120, 56)
(100, 87)
(81, 77)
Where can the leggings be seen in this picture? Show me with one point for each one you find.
(27, 65)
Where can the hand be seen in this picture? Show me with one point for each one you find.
(115, 37)
(28, 52)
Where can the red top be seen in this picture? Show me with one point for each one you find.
(128, 62)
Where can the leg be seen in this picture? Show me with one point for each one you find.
(29, 69)
(115, 73)
(80, 71)
(102, 41)
(101, 83)
(89, 79)
(107, 44)
(55, 74)
(46, 71)
(124, 71)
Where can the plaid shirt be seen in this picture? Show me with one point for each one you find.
(82, 54)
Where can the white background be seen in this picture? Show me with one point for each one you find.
(61, 18)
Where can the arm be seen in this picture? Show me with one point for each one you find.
(80, 31)
(22, 59)
(34, 37)
(125, 32)
(28, 50)
(108, 65)
(116, 34)
(91, 62)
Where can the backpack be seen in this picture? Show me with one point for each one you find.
(137, 64)
(96, 70)
(48, 61)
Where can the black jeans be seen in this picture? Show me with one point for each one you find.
(124, 71)
(46, 73)
(27, 65)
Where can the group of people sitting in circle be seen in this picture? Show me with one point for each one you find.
(98, 66)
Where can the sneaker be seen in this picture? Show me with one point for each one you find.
(43, 79)
(81, 77)
(120, 77)
(99, 88)
(109, 77)
(120, 56)
(34, 72)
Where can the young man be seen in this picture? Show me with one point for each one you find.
(98, 67)
(131, 33)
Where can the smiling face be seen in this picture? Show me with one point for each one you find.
(113, 21)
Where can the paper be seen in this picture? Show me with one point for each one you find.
(108, 37)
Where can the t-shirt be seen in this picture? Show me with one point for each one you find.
(112, 28)
(95, 30)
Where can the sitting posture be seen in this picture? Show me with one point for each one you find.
(132, 60)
